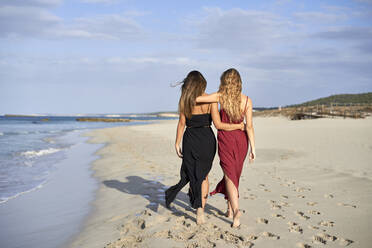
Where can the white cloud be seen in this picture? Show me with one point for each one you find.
(240, 30)
(37, 22)
(26, 21)
(109, 26)
(350, 33)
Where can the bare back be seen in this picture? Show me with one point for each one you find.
(201, 108)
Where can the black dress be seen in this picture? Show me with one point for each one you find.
(198, 149)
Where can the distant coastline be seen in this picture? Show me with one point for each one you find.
(343, 105)
(117, 115)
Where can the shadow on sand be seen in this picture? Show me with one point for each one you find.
(153, 192)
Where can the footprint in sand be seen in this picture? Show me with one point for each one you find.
(326, 223)
(302, 189)
(346, 205)
(263, 187)
(141, 224)
(311, 203)
(250, 197)
(295, 228)
(313, 227)
(345, 242)
(284, 196)
(252, 237)
(328, 196)
(290, 181)
(319, 240)
(323, 238)
(286, 184)
(314, 212)
(269, 235)
(235, 239)
(284, 204)
(302, 215)
(301, 196)
(278, 216)
(275, 207)
(262, 221)
(302, 245)
(327, 237)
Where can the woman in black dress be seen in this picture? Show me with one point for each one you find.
(198, 144)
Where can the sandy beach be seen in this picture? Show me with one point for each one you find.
(311, 186)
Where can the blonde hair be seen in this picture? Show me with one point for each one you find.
(230, 94)
(193, 86)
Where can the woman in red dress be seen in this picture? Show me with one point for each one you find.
(232, 145)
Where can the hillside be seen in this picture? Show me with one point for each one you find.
(345, 105)
(341, 99)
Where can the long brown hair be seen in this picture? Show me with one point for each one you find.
(193, 86)
(230, 94)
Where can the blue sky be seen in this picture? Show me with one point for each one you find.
(120, 56)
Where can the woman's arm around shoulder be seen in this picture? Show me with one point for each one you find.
(205, 98)
(250, 129)
(180, 129)
(221, 125)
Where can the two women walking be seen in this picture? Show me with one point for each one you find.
(197, 110)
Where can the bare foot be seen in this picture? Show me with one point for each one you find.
(236, 219)
(200, 216)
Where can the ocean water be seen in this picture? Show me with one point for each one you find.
(30, 148)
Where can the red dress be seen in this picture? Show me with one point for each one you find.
(232, 150)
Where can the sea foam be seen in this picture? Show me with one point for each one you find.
(32, 154)
(5, 199)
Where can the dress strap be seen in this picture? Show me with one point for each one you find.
(245, 107)
(208, 110)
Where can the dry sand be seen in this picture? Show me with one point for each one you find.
(311, 186)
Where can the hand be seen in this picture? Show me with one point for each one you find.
(178, 151)
(252, 156)
(242, 126)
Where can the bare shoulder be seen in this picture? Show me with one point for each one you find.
(249, 102)
(244, 98)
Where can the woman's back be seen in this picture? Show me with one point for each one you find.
(244, 103)
(201, 116)
(199, 120)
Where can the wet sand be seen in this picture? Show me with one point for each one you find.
(311, 186)
(51, 215)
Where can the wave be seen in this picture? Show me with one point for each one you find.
(32, 154)
(54, 131)
(1, 133)
(15, 133)
(5, 199)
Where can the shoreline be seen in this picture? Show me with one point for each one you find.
(50, 215)
(290, 183)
